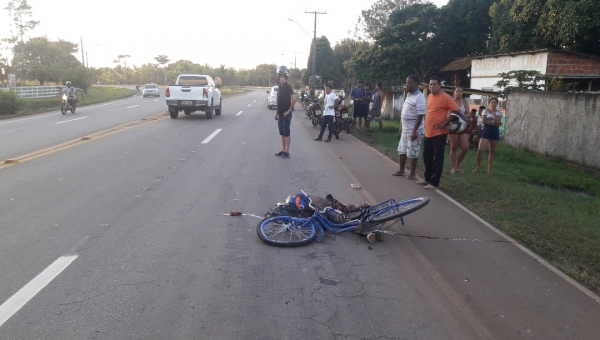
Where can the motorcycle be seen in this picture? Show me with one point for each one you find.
(69, 103)
(306, 104)
(316, 113)
(342, 120)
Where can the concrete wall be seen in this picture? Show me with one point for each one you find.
(565, 125)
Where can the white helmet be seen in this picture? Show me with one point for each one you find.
(68, 83)
(458, 123)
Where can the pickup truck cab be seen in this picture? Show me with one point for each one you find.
(194, 92)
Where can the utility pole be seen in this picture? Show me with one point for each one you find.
(314, 66)
(82, 56)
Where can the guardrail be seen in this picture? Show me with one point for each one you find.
(35, 91)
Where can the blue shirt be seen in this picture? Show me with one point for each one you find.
(359, 93)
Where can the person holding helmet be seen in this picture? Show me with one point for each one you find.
(286, 99)
(439, 104)
(70, 92)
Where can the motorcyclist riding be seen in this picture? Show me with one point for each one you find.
(70, 92)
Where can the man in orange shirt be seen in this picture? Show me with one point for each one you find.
(439, 104)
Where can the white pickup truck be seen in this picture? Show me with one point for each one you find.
(194, 92)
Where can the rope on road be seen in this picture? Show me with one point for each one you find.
(440, 238)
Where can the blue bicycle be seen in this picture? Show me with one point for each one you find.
(289, 231)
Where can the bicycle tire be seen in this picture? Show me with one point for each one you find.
(286, 231)
(398, 210)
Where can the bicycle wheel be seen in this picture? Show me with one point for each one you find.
(286, 231)
(398, 210)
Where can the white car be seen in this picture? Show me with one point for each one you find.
(272, 97)
(151, 90)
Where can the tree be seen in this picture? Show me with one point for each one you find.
(48, 61)
(464, 28)
(162, 60)
(327, 64)
(570, 24)
(20, 11)
(373, 20)
(344, 50)
(404, 47)
(520, 79)
(122, 58)
(509, 35)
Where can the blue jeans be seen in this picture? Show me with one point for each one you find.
(284, 124)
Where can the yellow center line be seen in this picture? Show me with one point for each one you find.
(76, 142)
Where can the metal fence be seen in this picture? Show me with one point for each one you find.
(35, 91)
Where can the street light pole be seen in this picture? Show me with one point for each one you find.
(314, 66)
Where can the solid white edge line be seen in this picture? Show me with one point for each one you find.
(526, 250)
(70, 120)
(212, 135)
(20, 120)
(20, 298)
(239, 113)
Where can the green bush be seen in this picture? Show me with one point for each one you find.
(10, 103)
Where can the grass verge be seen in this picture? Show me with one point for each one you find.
(96, 94)
(227, 91)
(547, 204)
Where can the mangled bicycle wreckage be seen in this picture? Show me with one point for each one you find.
(302, 218)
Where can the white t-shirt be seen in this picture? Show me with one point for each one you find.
(489, 115)
(329, 101)
(414, 106)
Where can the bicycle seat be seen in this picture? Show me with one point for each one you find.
(354, 215)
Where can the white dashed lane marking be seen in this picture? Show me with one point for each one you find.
(12, 305)
(70, 120)
(212, 135)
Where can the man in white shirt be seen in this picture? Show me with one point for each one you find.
(413, 129)
(330, 101)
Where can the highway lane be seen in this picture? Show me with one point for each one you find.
(25, 134)
(157, 258)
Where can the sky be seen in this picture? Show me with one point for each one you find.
(234, 33)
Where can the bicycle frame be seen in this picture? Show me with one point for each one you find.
(319, 218)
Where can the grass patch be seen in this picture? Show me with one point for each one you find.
(96, 94)
(227, 91)
(547, 204)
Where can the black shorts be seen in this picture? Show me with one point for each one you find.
(284, 124)
(361, 111)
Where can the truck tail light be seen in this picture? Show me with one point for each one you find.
(205, 93)
(168, 93)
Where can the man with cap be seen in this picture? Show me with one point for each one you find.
(286, 99)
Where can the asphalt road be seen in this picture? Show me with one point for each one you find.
(126, 236)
